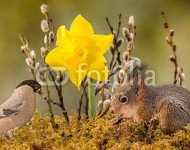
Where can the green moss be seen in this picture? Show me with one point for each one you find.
(99, 134)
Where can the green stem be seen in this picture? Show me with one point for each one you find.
(91, 98)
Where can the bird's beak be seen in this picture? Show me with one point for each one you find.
(39, 91)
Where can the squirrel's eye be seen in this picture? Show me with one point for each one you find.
(123, 99)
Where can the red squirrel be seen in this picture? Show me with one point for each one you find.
(140, 102)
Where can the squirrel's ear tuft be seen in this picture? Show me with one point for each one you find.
(136, 77)
(138, 71)
(137, 84)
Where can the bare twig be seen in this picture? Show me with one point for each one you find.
(84, 95)
(48, 100)
(80, 105)
(86, 107)
(59, 93)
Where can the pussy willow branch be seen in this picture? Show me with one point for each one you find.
(33, 71)
(47, 72)
(130, 46)
(59, 86)
(173, 46)
(25, 43)
(114, 60)
(115, 41)
(56, 103)
(45, 98)
(49, 98)
(115, 47)
(50, 38)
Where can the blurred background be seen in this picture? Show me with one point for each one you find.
(24, 17)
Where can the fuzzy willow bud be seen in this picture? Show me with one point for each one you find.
(168, 40)
(129, 64)
(171, 32)
(125, 56)
(107, 103)
(130, 46)
(116, 69)
(172, 58)
(43, 52)
(174, 47)
(131, 36)
(45, 26)
(51, 36)
(137, 61)
(29, 62)
(23, 48)
(112, 50)
(105, 93)
(131, 21)
(115, 86)
(44, 8)
(59, 78)
(46, 39)
(121, 74)
(100, 103)
(182, 76)
(33, 54)
(166, 25)
(119, 42)
(126, 34)
(178, 69)
(37, 66)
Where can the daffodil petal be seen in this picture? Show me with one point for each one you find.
(55, 59)
(62, 34)
(103, 42)
(98, 71)
(77, 75)
(96, 58)
(64, 40)
(81, 27)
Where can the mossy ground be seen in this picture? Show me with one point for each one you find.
(92, 135)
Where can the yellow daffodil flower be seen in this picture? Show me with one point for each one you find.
(80, 52)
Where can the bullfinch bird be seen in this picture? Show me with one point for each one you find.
(20, 107)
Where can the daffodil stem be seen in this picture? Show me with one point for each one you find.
(91, 98)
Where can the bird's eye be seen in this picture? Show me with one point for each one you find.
(123, 99)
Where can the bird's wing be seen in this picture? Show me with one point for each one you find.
(5, 112)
